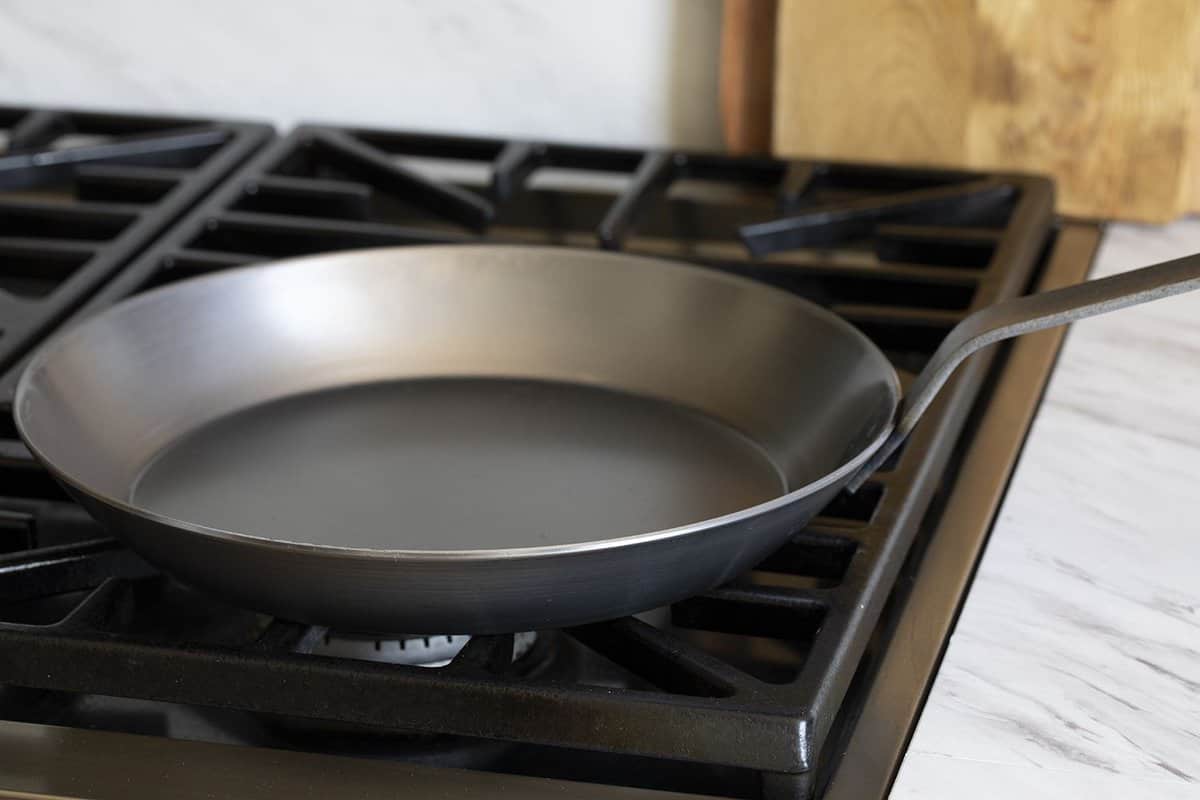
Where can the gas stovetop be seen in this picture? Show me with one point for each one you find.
(802, 678)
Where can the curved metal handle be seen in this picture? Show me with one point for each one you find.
(1026, 315)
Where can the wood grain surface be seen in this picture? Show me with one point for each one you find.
(1102, 94)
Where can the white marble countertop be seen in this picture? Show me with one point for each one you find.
(1074, 670)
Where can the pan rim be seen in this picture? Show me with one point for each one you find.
(848, 468)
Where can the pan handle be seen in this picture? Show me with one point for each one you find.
(1026, 315)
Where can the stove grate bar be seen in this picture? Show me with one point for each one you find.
(46, 249)
(798, 180)
(189, 263)
(664, 659)
(652, 177)
(322, 687)
(319, 197)
(515, 163)
(125, 183)
(87, 221)
(280, 235)
(65, 568)
(177, 148)
(443, 199)
(284, 636)
(37, 129)
(483, 656)
(750, 610)
(826, 225)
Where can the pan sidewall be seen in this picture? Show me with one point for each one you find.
(405, 594)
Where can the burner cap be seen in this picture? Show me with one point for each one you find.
(419, 651)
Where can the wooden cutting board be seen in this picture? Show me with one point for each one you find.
(1102, 94)
(746, 73)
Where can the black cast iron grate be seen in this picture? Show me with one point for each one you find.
(81, 193)
(750, 676)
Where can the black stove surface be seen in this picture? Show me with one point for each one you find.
(748, 690)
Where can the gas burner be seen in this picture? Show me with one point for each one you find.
(415, 651)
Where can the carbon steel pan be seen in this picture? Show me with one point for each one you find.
(457, 439)
(483, 439)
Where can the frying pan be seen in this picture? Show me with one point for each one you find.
(482, 439)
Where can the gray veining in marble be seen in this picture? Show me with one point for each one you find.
(1075, 667)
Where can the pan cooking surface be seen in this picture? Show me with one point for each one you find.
(453, 464)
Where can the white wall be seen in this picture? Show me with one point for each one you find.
(621, 71)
